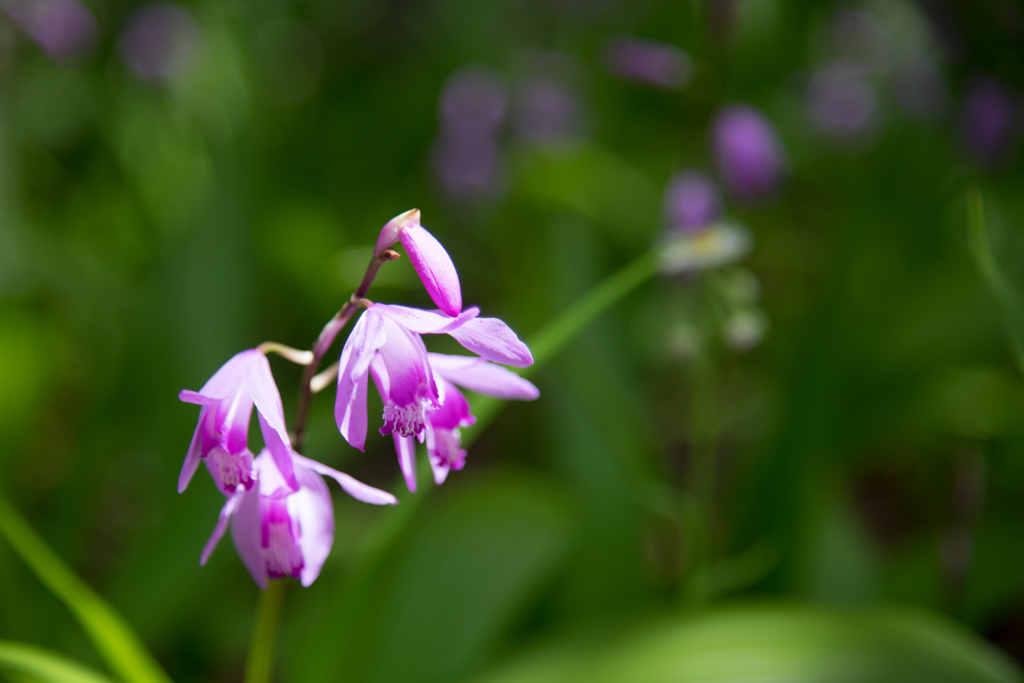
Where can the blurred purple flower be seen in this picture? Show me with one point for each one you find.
(65, 29)
(750, 157)
(472, 109)
(221, 436)
(547, 111)
(386, 340)
(991, 119)
(840, 101)
(648, 62)
(691, 201)
(444, 443)
(158, 41)
(282, 531)
(431, 261)
(473, 101)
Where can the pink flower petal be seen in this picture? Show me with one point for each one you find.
(434, 267)
(425, 322)
(350, 405)
(493, 340)
(351, 485)
(194, 455)
(232, 375)
(405, 447)
(481, 376)
(311, 506)
(222, 525)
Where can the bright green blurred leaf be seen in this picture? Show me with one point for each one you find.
(747, 644)
(113, 638)
(44, 666)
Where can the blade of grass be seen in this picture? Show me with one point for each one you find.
(116, 641)
(1010, 305)
(45, 666)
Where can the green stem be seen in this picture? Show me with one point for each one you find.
(1008, 300)
(259, 664)
(118, 645)
(699, 510)
(553, 337)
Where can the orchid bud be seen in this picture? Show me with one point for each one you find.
(428, 257)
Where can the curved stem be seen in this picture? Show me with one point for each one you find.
(259, 664)
(326, 338)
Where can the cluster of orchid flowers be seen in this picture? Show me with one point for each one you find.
(278, 506)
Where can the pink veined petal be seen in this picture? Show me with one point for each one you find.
(189, 396)
(434, 267)
(440, 469)
(353, 369)
(425, 322)
(280, 451)
(232, 375)
(246, 533)
(453, 411)
(311, 507)
(404, 358)
(233, 416)
(194, 454)
(351, 485)
(493, 340)
(481, 376)
(263, 390)
(405, 447)
(222, 525)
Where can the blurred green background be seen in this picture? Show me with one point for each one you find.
(842, 501)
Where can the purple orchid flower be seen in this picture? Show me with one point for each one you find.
(281, 531)
(659, 65)
(750, 157)
(444, 443)
(692, 201)
(64, 29)
(386, 339)
(221, 436)
(428, 257)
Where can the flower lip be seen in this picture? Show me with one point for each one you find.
(281, 532)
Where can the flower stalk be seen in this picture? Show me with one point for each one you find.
(259, 664)
(310, 380)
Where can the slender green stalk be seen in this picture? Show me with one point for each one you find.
(698, 513)
(553, 337)
(259, 664)
(118, 645)
(1010, 305)
(560, 331)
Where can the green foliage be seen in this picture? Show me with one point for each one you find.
(44, 666)
(763, 643)
(867, 452)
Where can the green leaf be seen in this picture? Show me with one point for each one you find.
(773, 643)
(44, 666)
(113, 638)
(1010, 305)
